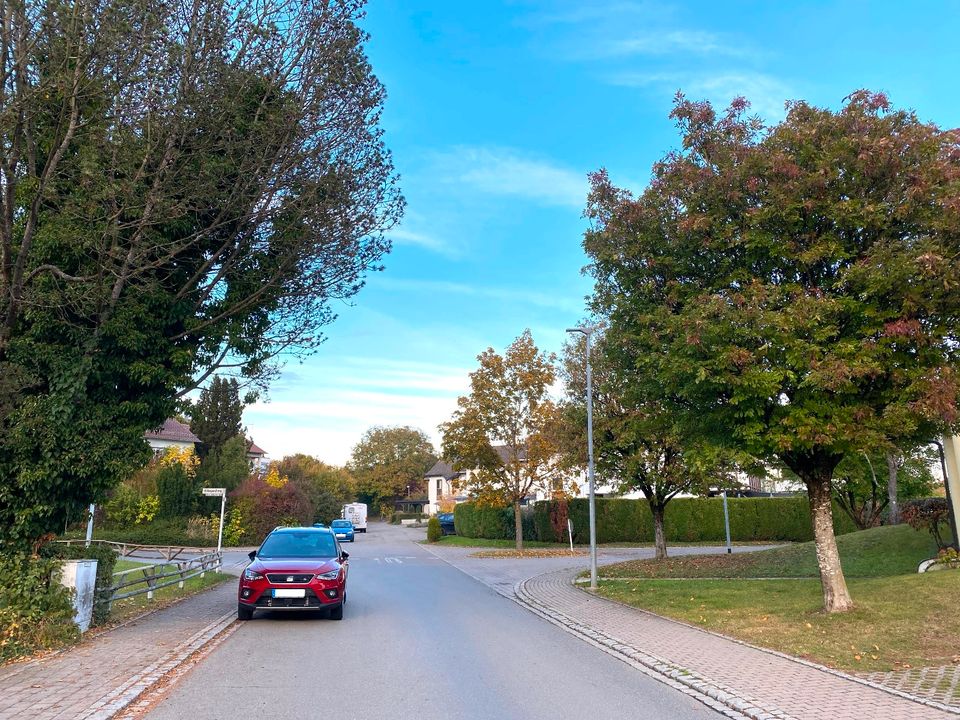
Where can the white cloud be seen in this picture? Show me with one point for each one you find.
(668, 42)
(501, 171)
(766, 94)
(326, 412)
(402, 236)
(573, 305)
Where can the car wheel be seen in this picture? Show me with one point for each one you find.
(337, 612)
(244, 612)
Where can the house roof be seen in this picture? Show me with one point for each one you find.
(172, 430)
(441, 468)
(255, 449)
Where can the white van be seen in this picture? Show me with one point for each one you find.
(357, 514)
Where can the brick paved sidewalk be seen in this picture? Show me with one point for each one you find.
(96, 678)
(756, 683)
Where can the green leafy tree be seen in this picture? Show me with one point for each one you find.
(389, 462)
(186, 190)
(864, 496)
(507, 431)
(226, 466)
(791, 291)
(637, 445)
(217, 415)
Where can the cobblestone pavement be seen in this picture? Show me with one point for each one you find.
(95, 678)
(941, 683)
(754, 682)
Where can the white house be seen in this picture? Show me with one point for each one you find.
(172, 433)
(445, 483)
(257, 457)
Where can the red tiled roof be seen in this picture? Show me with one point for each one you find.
(172, 430)
(255, 449)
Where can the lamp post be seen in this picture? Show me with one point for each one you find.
(587, 331)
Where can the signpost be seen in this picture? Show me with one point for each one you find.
(222, 494)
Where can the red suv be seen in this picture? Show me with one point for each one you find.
(296, 568)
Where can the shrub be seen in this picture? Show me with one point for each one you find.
(396, 517)
(177, 491)
(927, 514)
(122, 505)
(35, 610)
(106, 558)
(272, 506)
(434, 532)
(236, 532)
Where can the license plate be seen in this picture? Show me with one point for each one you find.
(341, 535)
(289, 592)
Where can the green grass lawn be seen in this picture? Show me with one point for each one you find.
(901, 619)
(871, 553)
(125, 609)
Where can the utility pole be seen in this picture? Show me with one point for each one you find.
(587, 331)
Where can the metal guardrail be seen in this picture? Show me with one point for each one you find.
(149, 578)
(167, 552)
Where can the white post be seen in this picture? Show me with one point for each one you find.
(570, 533)
(223, 507)
(93, 509)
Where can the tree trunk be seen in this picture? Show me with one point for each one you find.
(836, 597)
(659, 538)
(518, 524)
(892, 488)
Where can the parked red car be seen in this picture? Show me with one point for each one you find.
(296, 568)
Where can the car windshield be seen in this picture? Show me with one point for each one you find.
(298, 545)
(341, 524)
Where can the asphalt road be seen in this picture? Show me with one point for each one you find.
(420, 640)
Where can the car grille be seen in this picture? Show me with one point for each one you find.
(284, 578)
(310, 601)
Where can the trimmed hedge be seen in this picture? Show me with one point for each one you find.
(471, 520)
(686, 520)
(106, 558)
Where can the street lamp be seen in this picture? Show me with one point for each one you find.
(587, 331)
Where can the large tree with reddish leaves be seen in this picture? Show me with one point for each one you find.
(791, 291)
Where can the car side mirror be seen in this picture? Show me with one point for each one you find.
(252, 554)
(344, 555)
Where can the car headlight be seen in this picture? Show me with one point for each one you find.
(251, 575)
(332, 575)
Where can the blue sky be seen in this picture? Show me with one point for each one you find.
(496, 112)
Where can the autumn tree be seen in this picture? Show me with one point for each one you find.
(637, 445)
(325, 486)
(507, 430)
(217, 415)
(185, 188)
(791, 291)
(389, 463)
